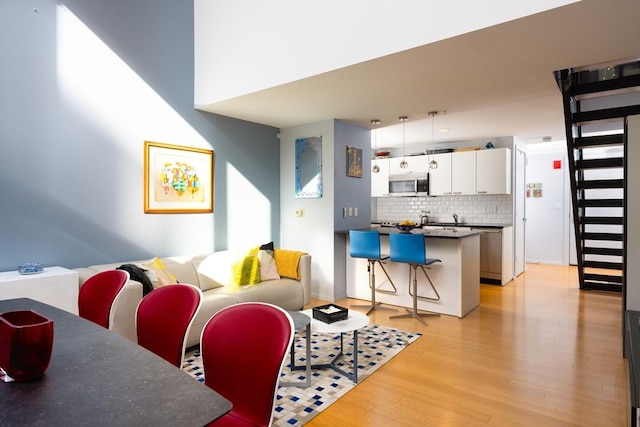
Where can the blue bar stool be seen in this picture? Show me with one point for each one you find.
(366, 244)
(410, 248)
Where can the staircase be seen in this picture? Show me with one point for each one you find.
(597, 101)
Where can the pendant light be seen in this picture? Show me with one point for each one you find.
(433, 164)
(375, 168)
(403, 119)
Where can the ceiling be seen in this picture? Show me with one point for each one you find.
(492, 82)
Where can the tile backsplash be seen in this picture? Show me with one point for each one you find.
(473, 209)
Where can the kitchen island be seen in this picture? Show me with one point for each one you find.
(457, 277)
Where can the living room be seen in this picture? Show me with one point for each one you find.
(83, 85)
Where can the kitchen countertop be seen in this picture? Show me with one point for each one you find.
(445, 234)
(461, 224)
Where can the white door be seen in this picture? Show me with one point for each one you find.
(520, 218)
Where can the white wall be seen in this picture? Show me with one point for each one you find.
(245, 46)
(314, 231)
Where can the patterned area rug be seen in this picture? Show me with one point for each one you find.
(295, 406)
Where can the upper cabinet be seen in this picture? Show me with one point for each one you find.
(463, 173)
(415, 164)
(471, 172)
(440, 178)
(493, 171)
(458, 173)
(380, 180)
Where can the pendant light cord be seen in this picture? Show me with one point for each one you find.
(403, 163)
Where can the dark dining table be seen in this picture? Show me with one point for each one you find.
(97, 377)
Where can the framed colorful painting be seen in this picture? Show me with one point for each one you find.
(177, 179)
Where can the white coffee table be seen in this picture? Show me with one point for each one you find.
(355, 321)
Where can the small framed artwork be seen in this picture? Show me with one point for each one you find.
(177, 179)
(354, 162)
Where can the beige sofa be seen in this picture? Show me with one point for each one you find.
(212, 274)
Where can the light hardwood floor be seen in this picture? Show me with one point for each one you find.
(536, 352)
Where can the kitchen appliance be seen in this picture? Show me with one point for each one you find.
(409, 184)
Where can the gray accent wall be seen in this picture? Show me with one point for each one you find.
(82, 85)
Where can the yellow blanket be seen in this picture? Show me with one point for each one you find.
(287, 262)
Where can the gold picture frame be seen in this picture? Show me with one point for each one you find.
(177, 179)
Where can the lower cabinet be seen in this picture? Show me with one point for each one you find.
(496, 255)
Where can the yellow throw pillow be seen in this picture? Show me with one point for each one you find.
(246, 271)
(162, 275)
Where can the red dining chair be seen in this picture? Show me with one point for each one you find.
(97, 294)
(243, 348)
(164, 317)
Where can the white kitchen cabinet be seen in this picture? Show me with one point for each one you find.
(440, 178)
(380, 180)
(493, 173)
(463, 173)
(416, 164)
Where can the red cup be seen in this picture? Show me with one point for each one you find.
(26, 340)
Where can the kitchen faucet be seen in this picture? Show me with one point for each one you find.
(455, 218)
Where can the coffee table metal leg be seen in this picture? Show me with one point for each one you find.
(353, 376)
(307, 365)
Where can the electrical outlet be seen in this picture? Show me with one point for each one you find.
(349, 211)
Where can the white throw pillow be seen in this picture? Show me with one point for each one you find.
(268, 268)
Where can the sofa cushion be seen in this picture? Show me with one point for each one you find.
(285, 293)
(214, 271)
(182, 268)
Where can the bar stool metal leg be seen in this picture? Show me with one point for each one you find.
(372, 285)
(414, 313)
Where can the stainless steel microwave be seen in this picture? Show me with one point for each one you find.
(409, 184)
